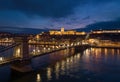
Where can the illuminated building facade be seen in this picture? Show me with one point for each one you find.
(67, 32)
(106, 34)
(105, 31)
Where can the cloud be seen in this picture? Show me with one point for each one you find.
(115, 24)
(47, 8)
(57, 13)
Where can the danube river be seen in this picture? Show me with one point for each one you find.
(91, 65)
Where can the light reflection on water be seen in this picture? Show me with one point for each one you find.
(38, 79)
(92, 65)
(63, 67)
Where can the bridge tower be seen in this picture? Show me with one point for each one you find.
(22, 50)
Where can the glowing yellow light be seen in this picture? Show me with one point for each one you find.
(1, 58)
(34, 50)
(48, 48)
(44, 48)
(38, 78)
(18, 52)
(38, 50)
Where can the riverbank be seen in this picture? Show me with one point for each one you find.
(105, 46)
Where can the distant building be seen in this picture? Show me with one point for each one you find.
(5, 34)
(105, 31)
(67, 32)
(106, 34)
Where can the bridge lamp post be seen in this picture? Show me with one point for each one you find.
(71, 44)
(68, 45)
(53, 47)
(44, 49)
(78, 43)
(56, 46)
(59, 46)
(34, 51)
(38, 51)
(49, 49)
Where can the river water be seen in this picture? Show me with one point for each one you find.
(91, 65)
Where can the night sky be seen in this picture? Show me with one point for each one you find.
(55, 14)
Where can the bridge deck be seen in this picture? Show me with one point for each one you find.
(4, 61)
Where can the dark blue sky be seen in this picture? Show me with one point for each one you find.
(57, 13)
